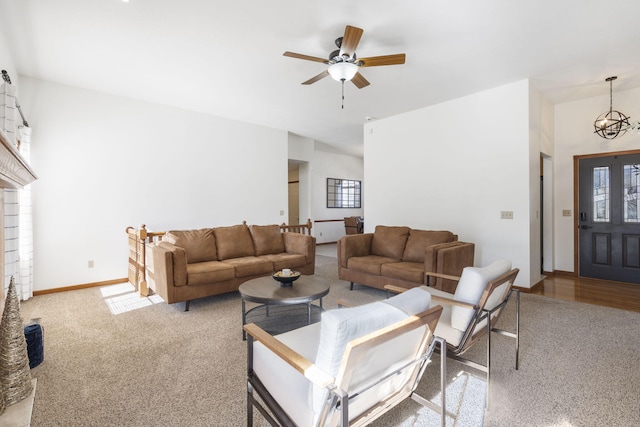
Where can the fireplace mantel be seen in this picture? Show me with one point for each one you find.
(14, 170)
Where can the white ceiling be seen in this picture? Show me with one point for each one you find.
(225, 57)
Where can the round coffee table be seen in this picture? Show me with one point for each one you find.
(282, 308)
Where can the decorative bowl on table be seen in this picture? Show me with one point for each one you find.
(286, 280)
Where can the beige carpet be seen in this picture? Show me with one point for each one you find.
(114, 359)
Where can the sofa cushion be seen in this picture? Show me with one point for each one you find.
(370, 264)
(201, 273)
(250, 266)
(200, 245)
(285, 260)
(406, 271)
(419, 240)
(267, 239)
(389, 241)
(470, 288)
(233, 242)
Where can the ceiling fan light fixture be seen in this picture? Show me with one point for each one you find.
(343, 71)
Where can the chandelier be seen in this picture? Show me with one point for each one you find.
(611, 123)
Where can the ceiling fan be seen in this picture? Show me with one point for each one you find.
(344, 64)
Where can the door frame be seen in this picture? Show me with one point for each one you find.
(576, 206)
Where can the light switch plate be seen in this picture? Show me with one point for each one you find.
(506, 215)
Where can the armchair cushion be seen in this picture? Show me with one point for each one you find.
(389, 241)
(200, 245)
(267, 239)
(412, 302)
(340, 326)
(419, 240)
(233, 242)
(470, 288)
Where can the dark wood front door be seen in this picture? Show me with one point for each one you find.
(609, 217)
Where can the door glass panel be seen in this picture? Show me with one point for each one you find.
(630, 190)
(601, 194)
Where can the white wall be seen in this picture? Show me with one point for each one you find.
(332, 165)
(456, 166)
(316, 165)
(574, 136)
(105, 163)
(6, 60)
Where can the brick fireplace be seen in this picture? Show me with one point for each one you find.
(15, 172)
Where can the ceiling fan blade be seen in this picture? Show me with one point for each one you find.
(314, 79)
(350, 40)
(360, 81)
(375, 61)
(305, 57)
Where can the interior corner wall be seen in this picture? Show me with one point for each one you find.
(455, 166)
(105, 163)
(574, 136)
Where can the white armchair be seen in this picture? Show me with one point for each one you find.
(349, 369)
(473, 311)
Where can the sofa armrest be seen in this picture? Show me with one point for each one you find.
(431, 254)
(300, 244)
(452, 261)
(169, 268)
(353, 245)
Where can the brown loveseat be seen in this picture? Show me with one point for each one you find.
(400, 256)
(190, 264)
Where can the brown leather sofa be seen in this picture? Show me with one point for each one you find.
(190, 264)
(400, 256)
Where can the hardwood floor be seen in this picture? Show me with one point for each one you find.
(625, 296)
(601, 292)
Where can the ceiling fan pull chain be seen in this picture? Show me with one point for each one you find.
(343, 94)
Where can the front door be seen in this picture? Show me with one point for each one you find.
(609, 217)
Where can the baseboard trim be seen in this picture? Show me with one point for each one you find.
(564, 273)
(82, 286)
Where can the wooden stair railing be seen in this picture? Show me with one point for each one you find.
(137, 253)
(298, 228)
(138, 239)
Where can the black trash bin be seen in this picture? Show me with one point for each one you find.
(35, 348)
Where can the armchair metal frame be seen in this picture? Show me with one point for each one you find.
(471, 336)
(338, 398)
